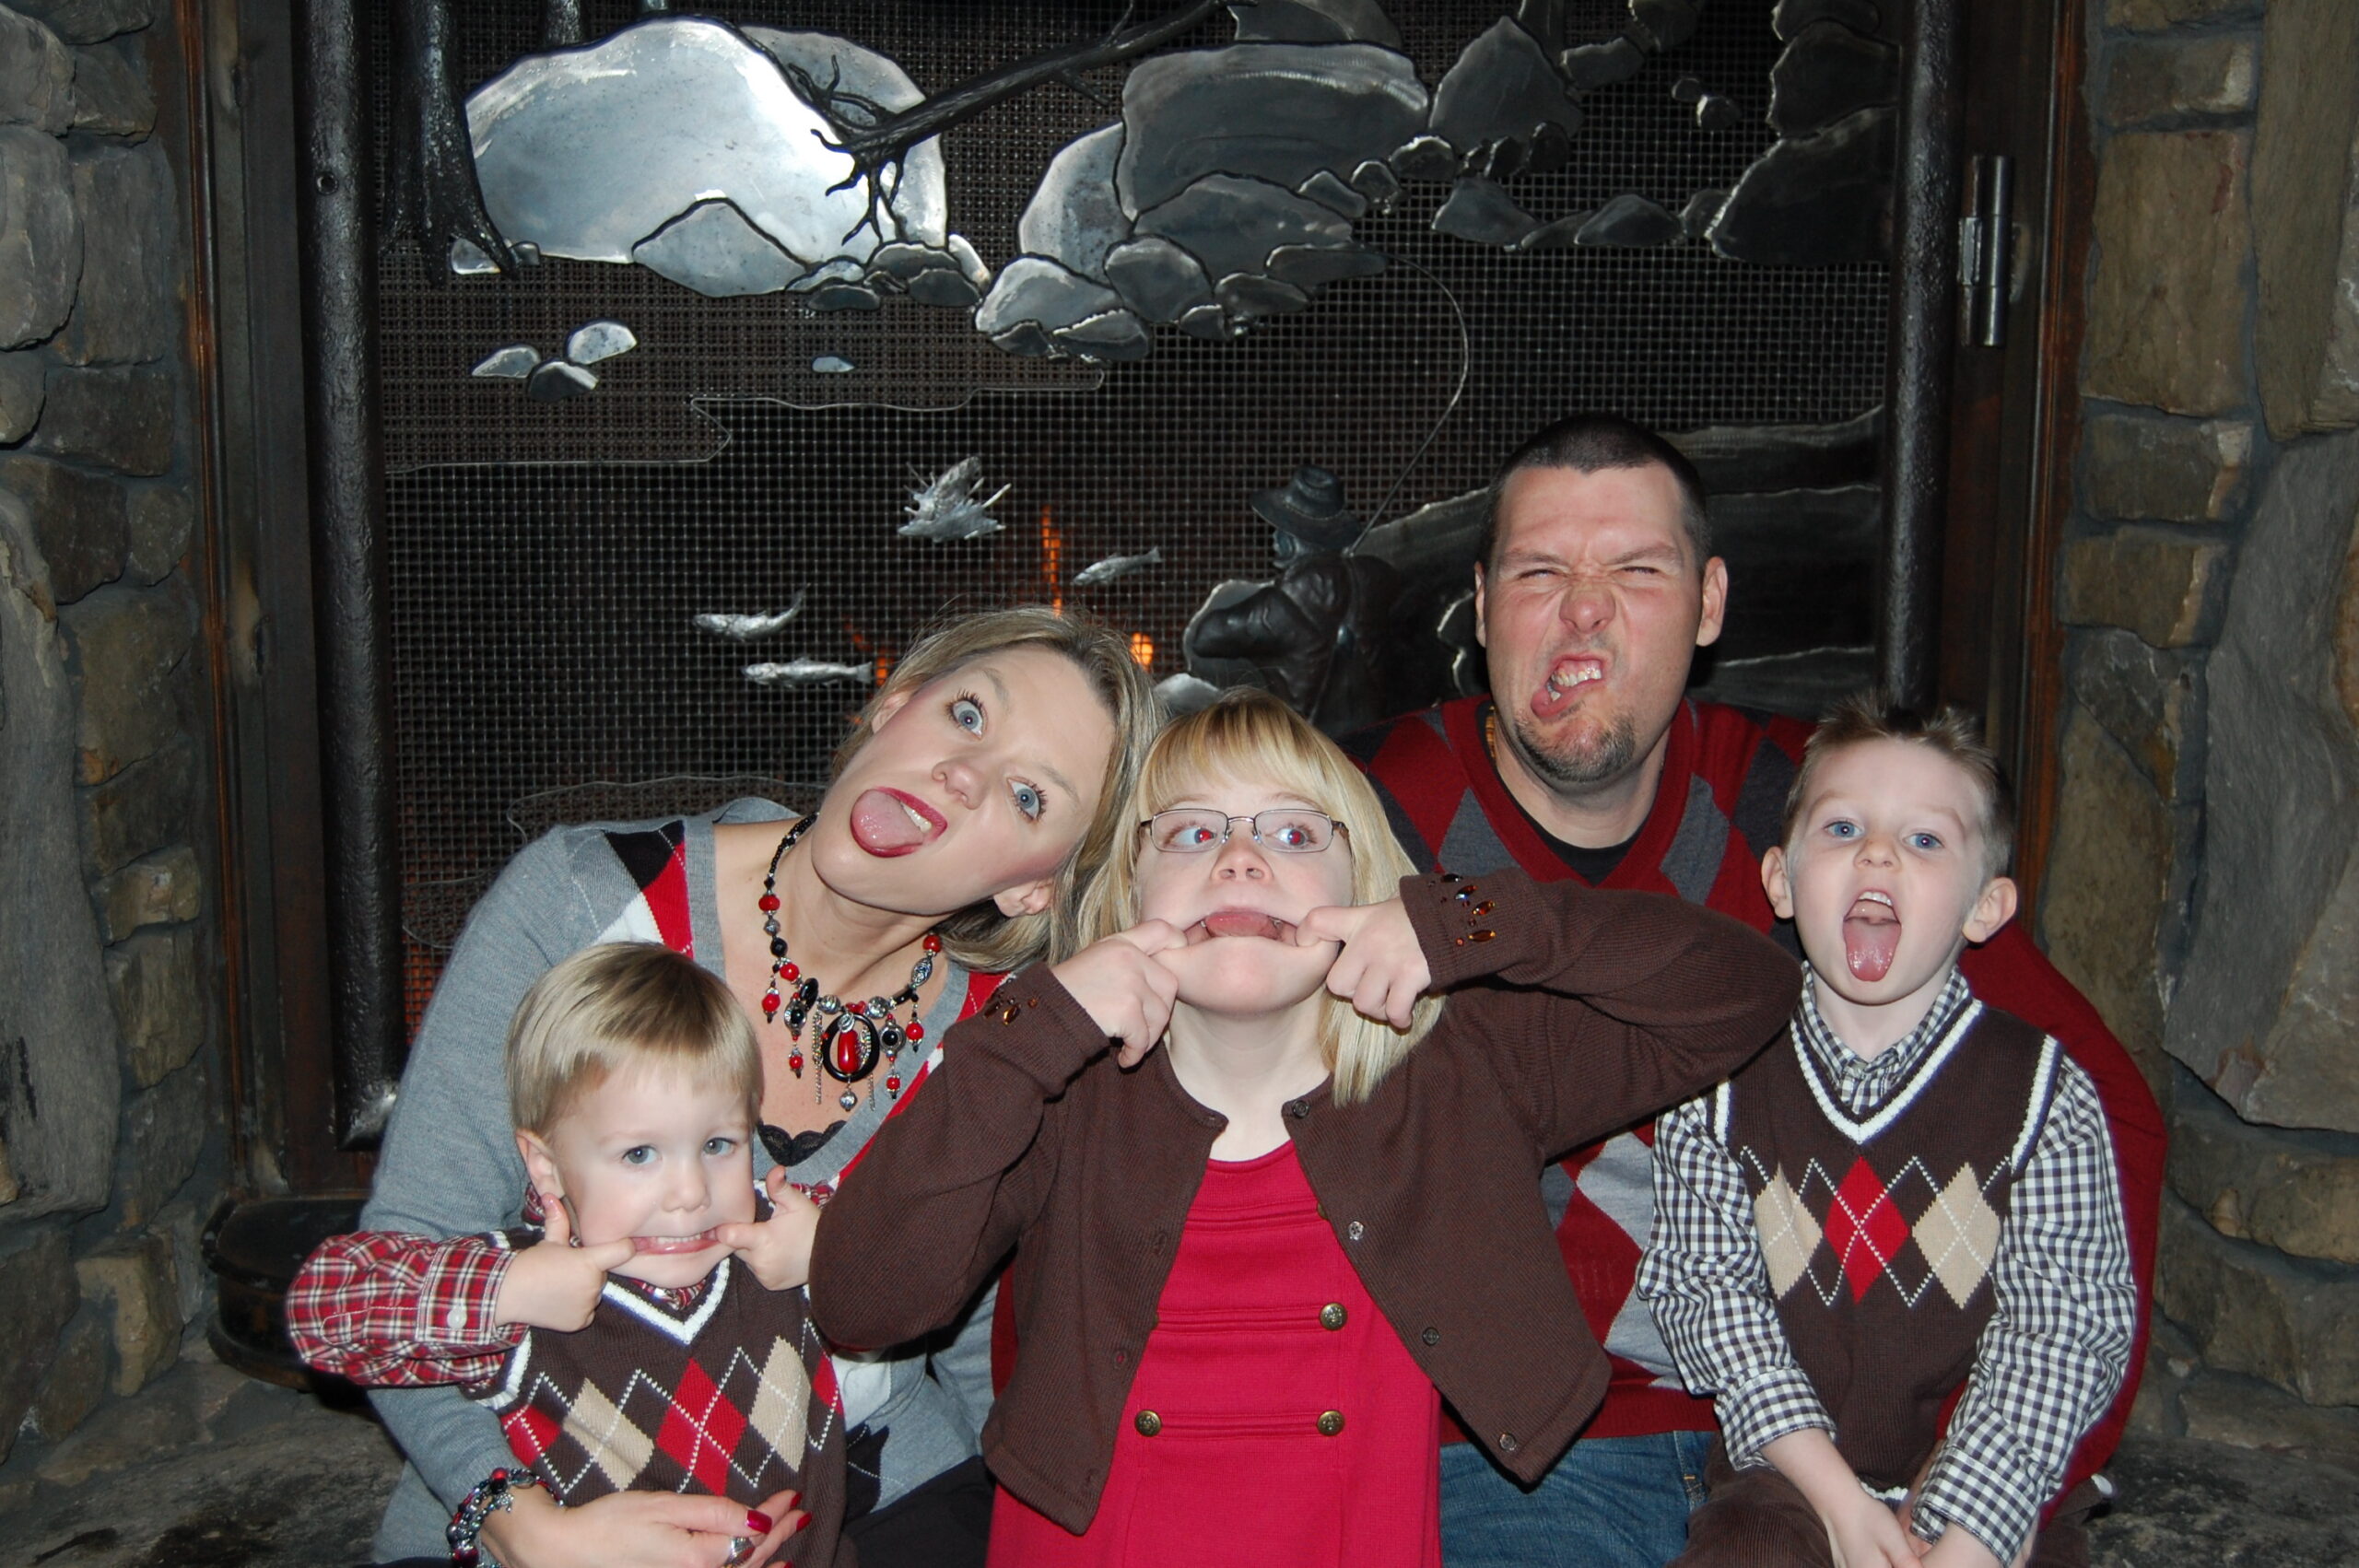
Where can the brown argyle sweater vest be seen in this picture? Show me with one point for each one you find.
(1879, 1233)
(727, 1395)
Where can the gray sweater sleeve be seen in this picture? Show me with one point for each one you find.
(449, 1164)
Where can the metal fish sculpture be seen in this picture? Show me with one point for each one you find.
(944, 508)
(1115, 568)
(748, 629)
(805, 672)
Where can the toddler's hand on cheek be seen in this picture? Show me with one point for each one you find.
(1381, 970)
(776, 1249)
(553, 1283)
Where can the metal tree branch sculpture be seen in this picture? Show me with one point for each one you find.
(433, 198)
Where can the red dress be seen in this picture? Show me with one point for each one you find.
(1276, 1420)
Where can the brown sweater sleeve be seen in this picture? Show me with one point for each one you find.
(949, 1182)
(1596, 1009)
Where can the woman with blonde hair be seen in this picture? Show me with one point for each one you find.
(978, 790)
(1251, 1265)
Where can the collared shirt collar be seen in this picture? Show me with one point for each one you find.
(1862, 1083)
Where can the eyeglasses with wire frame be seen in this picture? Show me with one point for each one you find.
(1284, 830)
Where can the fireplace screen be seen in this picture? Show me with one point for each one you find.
(559, 563)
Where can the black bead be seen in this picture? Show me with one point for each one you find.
(778, 947)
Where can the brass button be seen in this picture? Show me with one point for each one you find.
(1431, 1336)
(1508, 1444)
(1148, 1423)
(1329, 1423)
(1333, 1315)
(1353, 1230)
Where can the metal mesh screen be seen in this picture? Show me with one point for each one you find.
(547, 558)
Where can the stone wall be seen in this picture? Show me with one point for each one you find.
(2202, 887)
(111, 1145)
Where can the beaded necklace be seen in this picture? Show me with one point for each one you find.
(849, 1037)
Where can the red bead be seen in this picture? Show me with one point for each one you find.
(932, 942)
(893, 1085)
(790, 973)
(795, 1061)
(847, 1049)
(857, 1007)
(915, 1031)
(770, 1002)
(769, 903)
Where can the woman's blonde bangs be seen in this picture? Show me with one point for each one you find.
(1249, 736)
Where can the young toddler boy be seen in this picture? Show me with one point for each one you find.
(1891, 1245)
(647, 1329)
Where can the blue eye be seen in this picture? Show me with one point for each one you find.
(1030, 801)
(1839, 829)
(719, 1148)
(968, 714)
(644, 1154)
(1925, 841)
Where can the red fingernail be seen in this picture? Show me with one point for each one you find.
(801, 1525)
(758, 1522)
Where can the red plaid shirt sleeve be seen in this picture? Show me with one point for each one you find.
(389, 1311)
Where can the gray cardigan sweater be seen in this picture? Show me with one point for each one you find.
(450, 1167)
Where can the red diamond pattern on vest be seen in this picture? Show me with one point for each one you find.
(700, 1430)
(1863, 1227)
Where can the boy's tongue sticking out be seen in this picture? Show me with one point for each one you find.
(1871, 936)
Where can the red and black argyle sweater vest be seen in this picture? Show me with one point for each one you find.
(730, 1395)
(1879, 1233)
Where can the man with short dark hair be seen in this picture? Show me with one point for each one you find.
(1594, 587)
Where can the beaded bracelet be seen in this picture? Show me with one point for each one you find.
(494, 1493)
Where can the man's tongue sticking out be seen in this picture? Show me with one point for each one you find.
(1871, 939)
(883, 824)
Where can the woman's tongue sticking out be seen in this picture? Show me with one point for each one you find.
(884, 822)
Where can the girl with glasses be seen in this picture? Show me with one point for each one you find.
(1251, 1265)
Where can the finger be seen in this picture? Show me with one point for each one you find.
(557, 1226)
(739, 1236)
(712, 1516)
(1329, 922)
(1151, 936)
(608, 1255)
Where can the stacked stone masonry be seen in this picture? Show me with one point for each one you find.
(2203, 884)
(111, 1133)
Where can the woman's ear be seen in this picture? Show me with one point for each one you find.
(887, 707)
(1993, 910)
(1774, 882)
(1030, 898)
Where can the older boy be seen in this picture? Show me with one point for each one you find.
(1893, 1246)
(650, 1335)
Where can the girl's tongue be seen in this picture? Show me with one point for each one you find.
(1248, 922)
(1871, 939)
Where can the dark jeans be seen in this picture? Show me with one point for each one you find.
(1609, 1502)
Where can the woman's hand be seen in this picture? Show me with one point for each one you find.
(1383, 970)
(637, 1530)
(553, 1283)
(776, 1249)
(1126, 993)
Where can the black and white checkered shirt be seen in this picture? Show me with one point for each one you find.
(2065, 1302)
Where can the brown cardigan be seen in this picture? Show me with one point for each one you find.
(1028, 1136)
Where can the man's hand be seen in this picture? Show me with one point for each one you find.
(776, 1249)
(1126, 993)
(1381, 970)
(553, 1283)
